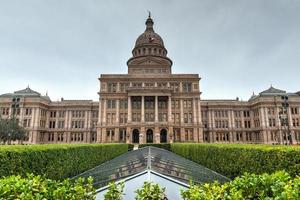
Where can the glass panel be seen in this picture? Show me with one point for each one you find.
(158, 160)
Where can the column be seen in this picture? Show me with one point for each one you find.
(128, 135)
(37, 117)
(156, 135)
(289, 117)
(88, 137)
(181, 111)
(170, 110)
(290, 124)
(194, 111)
(230, 119)
(243, 120)
(244, 137)
(66, 120)
(117, 135)
(213, 119)
(156, 108)
(100, 112)
(266, 117)
(211, 137)
(234, 136)
(170, 135)
(195, 135)
(182, 135)
(180, 87)
(142, 135)
(117, 111)
(143, 110)
(33, 118)
(199, 112)
(200, 135)
(262, 117)
(209, 119)
(68, 135)
(103, 135)
(99, 135)
(70, 120)
(104, 112)
(86, 119)
(55, 137)
(129, 109)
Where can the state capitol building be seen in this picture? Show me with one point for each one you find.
(150, 104)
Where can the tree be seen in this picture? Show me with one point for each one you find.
(10, 130)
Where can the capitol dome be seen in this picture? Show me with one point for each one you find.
(149, 54)
(149, 43)
(149, 37)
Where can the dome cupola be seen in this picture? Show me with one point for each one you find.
(150, 46)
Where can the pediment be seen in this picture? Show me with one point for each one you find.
(149, 61)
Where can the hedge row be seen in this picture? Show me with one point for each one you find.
(234, 160)
(38, 187)
(55, 161)
(165, 146)
(249, 186)
(130, 147)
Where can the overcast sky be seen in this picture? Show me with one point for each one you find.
(236, 46)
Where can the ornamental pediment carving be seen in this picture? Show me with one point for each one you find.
(149, 61)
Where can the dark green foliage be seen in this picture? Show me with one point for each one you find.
(55, 161)
(165, 146)
(249, 186)
(37, 187)
(236, 159)
(10, 130)
(130, 147)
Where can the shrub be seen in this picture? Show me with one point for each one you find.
(150, 191)
(165, 146)
(236, 159)
(115, 191)
(278, 185)
(130, 147)
(38, 187)
(55, 161)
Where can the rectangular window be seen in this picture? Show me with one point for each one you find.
(187, 87)
(111, 104)
(112, 87)
(186, 118)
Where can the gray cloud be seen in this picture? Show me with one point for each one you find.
(236, 46)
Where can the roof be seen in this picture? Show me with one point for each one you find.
(155, 159)
(149, 37)
(27, 92)
(272, 91)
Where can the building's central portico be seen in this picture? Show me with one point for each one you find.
(149, 104)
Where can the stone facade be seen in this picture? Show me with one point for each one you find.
(150, 104)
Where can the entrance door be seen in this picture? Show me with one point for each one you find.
(163, 136)
(149, 136)
(135, 136)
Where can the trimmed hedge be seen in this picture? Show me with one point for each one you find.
(38, 187)
(249, 186)
(56, 161)
(235, 159)
(165, 146)
(130, 147)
